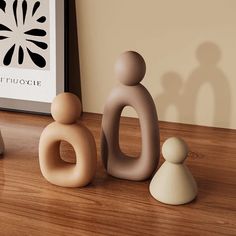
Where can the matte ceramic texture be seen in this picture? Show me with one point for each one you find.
(66, 108)
(2, 146)
(130, 70)
(173, 183)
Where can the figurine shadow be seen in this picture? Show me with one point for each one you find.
(182, 94)
(171, 97)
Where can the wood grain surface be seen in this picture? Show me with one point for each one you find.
(31, 206)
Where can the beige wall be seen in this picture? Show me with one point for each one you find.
(189, 47)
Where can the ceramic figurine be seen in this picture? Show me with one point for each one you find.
(173, 183)
(2, 146)
(130, 69)
(66, 109)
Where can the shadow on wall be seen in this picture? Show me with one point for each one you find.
(183, 94)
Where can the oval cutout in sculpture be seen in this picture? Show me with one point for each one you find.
(127, 127)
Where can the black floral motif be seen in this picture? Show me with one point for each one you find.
(2, 5)
(8, 56)
(33, 36)
(36, 6)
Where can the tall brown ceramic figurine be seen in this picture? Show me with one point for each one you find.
(66, 109)
(130, 70)
(2, 146)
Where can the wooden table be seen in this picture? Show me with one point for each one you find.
(29, 205)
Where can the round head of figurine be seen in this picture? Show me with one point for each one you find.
(66, 108)
(130, 68)
(175, 150)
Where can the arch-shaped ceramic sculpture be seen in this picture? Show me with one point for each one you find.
(130, 70)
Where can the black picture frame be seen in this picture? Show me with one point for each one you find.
(72, 62)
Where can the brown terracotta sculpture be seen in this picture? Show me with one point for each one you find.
(66, 109)
(130, 70)
(2, 146)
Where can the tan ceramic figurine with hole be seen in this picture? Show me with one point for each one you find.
(130, 70)
(66, 109)
(2, 146)
(173, 183)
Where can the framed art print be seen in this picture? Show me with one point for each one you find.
(32, 53)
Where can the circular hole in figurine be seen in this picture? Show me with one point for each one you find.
(67, 152)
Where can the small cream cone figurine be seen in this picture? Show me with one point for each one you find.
(66, 109)
(173, 183)
(2, 146)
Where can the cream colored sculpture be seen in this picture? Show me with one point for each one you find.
(173, 183)
(2, 146)
(66, 109)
